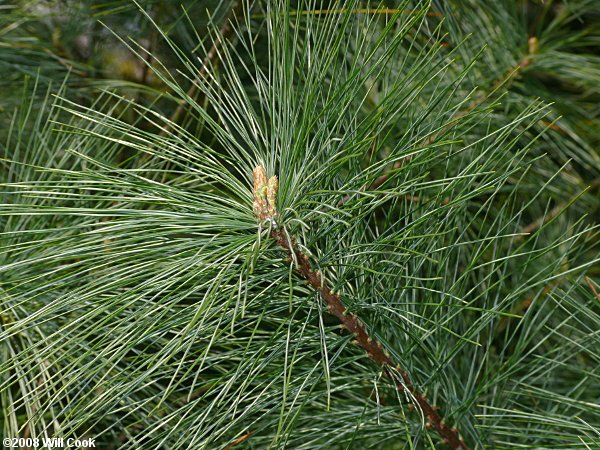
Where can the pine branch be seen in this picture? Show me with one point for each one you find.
(210, 60)
(507, 78)
(538, 223)
(373, 348)
(35, 405)
(387, 11)
(136, 282)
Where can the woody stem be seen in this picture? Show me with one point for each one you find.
(373, 348)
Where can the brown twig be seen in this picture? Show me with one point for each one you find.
(522, 306)
(373, 348)
(507, 77)
(538, 223)
(593, 288)
(236, 442)
(388, 11)
(533, 226)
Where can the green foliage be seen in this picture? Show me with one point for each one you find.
(142, 304)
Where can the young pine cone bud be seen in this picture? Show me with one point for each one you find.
(260, 178)
(265, 194)
(272, 195)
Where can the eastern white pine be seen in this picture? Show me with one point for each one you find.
(300, 224)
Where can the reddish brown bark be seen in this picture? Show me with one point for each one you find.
(374, 349)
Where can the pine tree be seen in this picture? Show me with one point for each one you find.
(304, 224)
